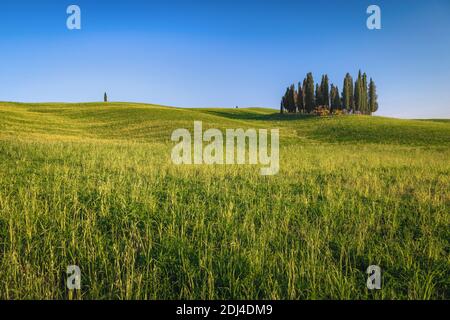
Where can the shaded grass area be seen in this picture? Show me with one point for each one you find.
(76, 188)
(363, 129)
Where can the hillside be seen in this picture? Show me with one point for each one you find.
(141, 122)
(93, 185)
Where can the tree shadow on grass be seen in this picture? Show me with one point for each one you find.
(248, 115)
(377, 133)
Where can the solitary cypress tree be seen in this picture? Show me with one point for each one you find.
(105, 97)
(309, 93)
(373, 103)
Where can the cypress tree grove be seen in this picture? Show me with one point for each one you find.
(373, 103)
(357, 97)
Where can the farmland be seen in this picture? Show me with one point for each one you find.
(93, 185)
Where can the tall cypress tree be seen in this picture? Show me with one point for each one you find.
(357, 98)
(358, 93)
(309, 93)
(364, 95)
(319, 98)
(286, 100)
(325, 91)
(347, 93)
(352, 98)
(300, 99)
(335, 98)
(338, 100)
(291, 99)
(295, 94)
(332, 97)
(373, 97)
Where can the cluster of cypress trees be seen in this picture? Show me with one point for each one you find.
(358, 97)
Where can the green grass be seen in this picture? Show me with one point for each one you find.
(93, 185)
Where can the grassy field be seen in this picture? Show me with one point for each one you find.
(93, 185)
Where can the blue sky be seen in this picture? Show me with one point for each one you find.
(224, 53)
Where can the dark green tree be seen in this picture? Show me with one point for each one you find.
(309, 93)
(373, 97)
(291, 99)
(364, 95)
(358, 96)
(347, 93)
(295, 97)
(336, 103)
(105, 97)
(300, 99)
(325, 91)
(318, 96)
(332, 97)
(338, 100)
(284, 101)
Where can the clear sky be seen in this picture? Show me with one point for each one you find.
(223, 53)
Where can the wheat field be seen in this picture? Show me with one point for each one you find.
(93, 185)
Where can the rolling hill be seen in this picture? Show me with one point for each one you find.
(141, 122)
(93, 185)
